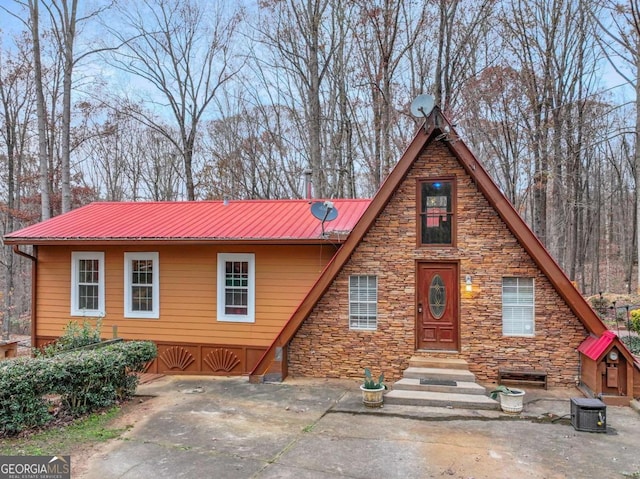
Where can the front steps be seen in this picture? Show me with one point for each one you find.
(439, 382)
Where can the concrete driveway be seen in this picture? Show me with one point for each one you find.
(203, 427)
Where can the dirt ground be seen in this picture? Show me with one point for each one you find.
(130, 414)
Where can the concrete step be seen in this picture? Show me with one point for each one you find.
(461, 387)
(437, 399)
(439, 373)
(442, 363)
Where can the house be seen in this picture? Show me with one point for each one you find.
(211, 283)
(437, 265)
(441, 265)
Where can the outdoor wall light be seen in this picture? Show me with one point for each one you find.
(468, 285)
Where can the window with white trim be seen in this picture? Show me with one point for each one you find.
(141, 285)
(236, 287)
(363, 302)
(87, 283)
(517, 307)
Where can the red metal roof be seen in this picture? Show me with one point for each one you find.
(594, 347)
(242, 220)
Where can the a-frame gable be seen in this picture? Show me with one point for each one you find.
(274, 362)
(527, 239)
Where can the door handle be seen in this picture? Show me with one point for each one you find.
(419, 307)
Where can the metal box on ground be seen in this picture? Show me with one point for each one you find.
(588, 415)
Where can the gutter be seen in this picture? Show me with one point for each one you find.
(34, 284)
(17, 251)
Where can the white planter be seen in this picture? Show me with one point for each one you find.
(372, 397)
(512, 402)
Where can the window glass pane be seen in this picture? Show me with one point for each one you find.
(436, 212)
(88, 297)
(437, 297)
(87, 285)
(142, 285)
(363, 302)
(518, 306)
(236, 288)
(142, 298)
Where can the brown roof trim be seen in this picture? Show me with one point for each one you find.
(433, 129)
(527, 239)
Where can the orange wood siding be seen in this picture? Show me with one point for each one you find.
(188, 295)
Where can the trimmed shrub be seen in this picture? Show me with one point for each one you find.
(85, 381)
(23, 384)
(100, 377)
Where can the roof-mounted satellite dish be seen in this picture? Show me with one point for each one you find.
(324, 211)
(422, 105)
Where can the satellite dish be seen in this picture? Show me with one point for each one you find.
(422, 105)
(324, 211)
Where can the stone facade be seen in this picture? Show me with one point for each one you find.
(324, 346)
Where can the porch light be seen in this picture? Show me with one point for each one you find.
(468, 284)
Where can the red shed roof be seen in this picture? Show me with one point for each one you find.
(594, 347)
(195, 221)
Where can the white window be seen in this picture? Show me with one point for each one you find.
(236, 287)
(363, 302)
(87, 283)
(141, 285)
(517, 307)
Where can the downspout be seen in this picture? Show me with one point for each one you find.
(34, 284)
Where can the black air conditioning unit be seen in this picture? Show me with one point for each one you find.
(588, 415)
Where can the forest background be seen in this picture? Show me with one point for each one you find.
(170, 100)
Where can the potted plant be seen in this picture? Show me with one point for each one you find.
(372, 390)
(510, 398)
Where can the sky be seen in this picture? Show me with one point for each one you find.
(615, 85)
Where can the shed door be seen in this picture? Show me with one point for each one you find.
(437, 306)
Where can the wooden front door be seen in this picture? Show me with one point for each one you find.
(437, 306)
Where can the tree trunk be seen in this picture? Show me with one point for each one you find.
(637, 159)
(68, 27)
(315, 123)
(41, 113)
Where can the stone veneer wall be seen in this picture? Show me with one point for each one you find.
(326, 347)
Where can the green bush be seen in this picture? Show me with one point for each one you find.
(634, 320)
(85, 380)
(632, 342)
(74, 336)
(110, 370)
(23, 384)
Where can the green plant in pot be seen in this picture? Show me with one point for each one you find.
(372, 389)
(511, 399)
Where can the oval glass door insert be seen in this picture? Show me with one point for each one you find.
(437, 297)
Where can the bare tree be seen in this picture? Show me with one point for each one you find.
(620, 40)
(386, 31)
(43, 149)
(301, 38)
(16, 108)
(462, 27)
(183, 51)
(63, 16)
